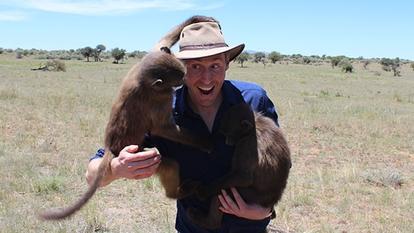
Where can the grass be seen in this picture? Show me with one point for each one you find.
(350, 134)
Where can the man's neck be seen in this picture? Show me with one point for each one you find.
(208, 113)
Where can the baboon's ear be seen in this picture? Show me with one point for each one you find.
(157, 82)
(166, 50)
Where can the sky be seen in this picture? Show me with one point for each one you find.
(354, 28)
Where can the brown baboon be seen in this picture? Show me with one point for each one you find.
(144, 104)
(260, 164)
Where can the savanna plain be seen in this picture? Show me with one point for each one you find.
(351, 137)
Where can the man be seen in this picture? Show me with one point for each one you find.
(199, 106)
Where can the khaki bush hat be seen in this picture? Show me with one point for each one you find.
(204, 39)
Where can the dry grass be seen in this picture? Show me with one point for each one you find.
(351, 136)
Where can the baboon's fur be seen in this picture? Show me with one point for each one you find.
(260, 163)
(144, 105)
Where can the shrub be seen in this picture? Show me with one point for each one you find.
(386, 178)
(346, 65)
(118, 54)
(365, 63)
(274, 57)
(56, 65)
(243, 57)
(53, 65)
(137, 54)
(87, 52)
(19, 55)
(258, 57)
(335, 61)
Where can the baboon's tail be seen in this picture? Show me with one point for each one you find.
(61, 213)
(174, 35)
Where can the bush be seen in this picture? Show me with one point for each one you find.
(137, 54)
(258, 57)
(391, 64)
(243, 57)
(274, 57)
(346, 65)
(53, 65)
(335, 61)
(19, 55)
(118, 54)
(56, 65)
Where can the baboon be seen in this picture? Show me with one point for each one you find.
(144, 105)
(260, 164)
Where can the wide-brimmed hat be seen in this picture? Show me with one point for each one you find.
(205, 39)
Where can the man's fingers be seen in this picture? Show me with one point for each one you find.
(131, 148)
(145, 172)
(223, 203)
(239, 200)
(230, 203)
(140, 156)
(134, 165)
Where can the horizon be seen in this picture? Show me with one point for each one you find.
(355, 29)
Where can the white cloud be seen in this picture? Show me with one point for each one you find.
(12, 16)
(107, 7)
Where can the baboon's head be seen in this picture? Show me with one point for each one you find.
(162, 71)
(237, 122)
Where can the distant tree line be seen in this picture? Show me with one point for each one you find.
(343, 62)
(98, 53)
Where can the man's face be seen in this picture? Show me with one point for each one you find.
(204, 79)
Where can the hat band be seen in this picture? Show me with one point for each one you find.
(203, 46)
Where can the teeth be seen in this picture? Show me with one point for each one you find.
(206, 89)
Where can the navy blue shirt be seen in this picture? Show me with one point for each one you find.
(203, 167)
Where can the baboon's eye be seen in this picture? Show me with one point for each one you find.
(166, 50)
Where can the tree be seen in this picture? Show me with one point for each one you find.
(335, 60)
(274, 57)
(137, 54)
(391, 64)
(365, 63)
(259, 56)
(243, 57)
(118, 54)
(87, 52)
(97, 51)
(346, 65)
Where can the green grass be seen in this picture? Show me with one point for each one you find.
(351, 137)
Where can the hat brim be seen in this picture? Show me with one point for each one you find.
(232, 52)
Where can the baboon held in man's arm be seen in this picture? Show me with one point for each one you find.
(144, 104)
(260, 163)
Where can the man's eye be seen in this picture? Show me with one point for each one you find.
(195, 66)
(215, 66)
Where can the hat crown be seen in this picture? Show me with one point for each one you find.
(202, 35)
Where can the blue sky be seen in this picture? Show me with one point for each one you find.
(352, 28)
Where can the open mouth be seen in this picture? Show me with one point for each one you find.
(206, 91)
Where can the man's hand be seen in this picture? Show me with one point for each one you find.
(240, 208)
(132, 164)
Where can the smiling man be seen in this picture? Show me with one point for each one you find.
(199, 106)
